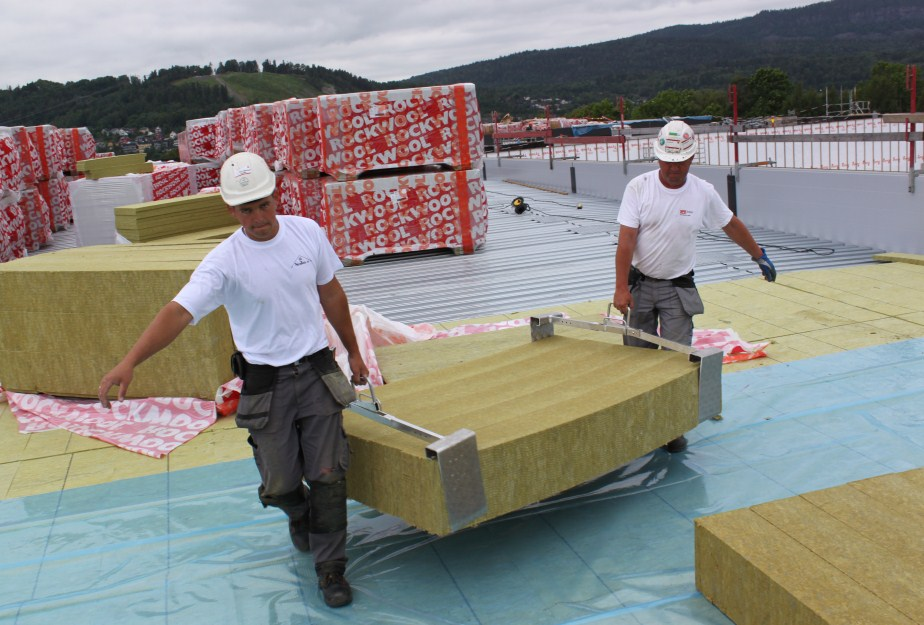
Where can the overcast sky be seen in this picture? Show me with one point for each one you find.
(62, 40)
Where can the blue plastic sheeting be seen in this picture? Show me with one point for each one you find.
(196, 547)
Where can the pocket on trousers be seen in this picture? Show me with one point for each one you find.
(253, 411)
(691, 301)
(340, 387)
(333, 377)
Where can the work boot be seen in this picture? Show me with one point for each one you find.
(676, 446)
(334, 586)
(298, 532)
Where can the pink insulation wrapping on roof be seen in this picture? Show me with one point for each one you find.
(79, 145)
(170, 180)
(12, 233)
(258, 131)
(373, 131)
(37, 217)
(414, 212)
(301, 196)
(203, 139)
(50, 147)
(296, 135)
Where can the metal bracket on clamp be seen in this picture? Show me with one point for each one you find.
(455, 454)
(709, 359)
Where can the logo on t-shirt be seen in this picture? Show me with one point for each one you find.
(301, 260)
(685, 213)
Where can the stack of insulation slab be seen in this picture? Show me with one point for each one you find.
(545, 417)
(96, 168)
(408, 213)
(76, 312)
(406, 171)
(849, 554)
(149, 221)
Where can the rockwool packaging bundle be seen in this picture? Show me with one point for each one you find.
(399, 128)
(12, 233)
(37, 217)
(28, 155)
(50, 147)
(258, 131)
(296, 136)
(296, 195)
(11, 172)
(79, 145)
(169, 180)
(204, 139)
(409, 213)
(94, 203)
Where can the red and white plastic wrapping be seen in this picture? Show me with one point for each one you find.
(55, 193)
(37, 218)
(206, 175)
(49, 144)
(170, 180)
(11, 172)
(373, 131)
(79, 145)
(28, 155)
(301, 196)
(232, 122)
(12, 233)
(258, 131)
(296, 135)
(421, 211)
(204, 139)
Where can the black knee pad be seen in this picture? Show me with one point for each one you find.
(294, 503)
(328, 507)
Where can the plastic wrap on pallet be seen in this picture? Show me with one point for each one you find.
(232, 121)
(12, 233)
(258, 131)
(203, 140)
(414, 212)
(94, 203)
(55, 193)
(28, 154)
(11, 172)
(37, 218)
(296, 135)
(374, 131)
(79, 145)
(301, 196)
(49, 144)
(206, 175)
(170, 180)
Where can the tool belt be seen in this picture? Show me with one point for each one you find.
(684, 282)
(259, 381)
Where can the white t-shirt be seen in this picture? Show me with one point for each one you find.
(269, 289)
(668, 221)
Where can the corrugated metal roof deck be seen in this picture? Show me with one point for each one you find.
(553, 254)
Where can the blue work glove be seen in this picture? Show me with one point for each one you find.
(766, 266)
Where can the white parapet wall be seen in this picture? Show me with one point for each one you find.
(873, 209)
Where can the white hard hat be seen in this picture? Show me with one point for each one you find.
(245, 177)
(676, 142)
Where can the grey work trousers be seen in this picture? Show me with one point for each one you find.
(303, 441)
(662, 309)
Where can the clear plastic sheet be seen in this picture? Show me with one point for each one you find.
(196, 547)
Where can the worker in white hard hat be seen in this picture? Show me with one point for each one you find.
(275, 277)
(660, 215)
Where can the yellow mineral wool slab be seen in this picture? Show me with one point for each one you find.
(38, 476)
(99, 466)
(548, 415)
(843, 555)
(148, 221)
(72, 315)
